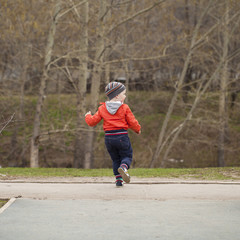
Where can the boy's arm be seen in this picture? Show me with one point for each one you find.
(93, 120)
(132, 121)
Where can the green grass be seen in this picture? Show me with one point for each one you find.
(55, 172)
(3, 202)
(190, 173)
(228, 173)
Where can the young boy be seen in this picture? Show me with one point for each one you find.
(117, 118)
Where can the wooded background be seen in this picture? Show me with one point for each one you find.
(179, 60)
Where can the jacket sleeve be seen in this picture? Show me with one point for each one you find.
(132, 121)
(93, 120)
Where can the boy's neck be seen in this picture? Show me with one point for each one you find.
(114, 100)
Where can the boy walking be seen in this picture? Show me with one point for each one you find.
(117, 118)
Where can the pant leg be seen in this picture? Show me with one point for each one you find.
(125, 151)
(112, 147)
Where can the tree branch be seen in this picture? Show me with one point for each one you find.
(5, 124)
(136, 14)
(71, 8)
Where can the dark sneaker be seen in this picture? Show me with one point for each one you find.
(119, 183)
(125, 174)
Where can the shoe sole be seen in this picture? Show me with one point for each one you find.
(125, 177)
(119, 186)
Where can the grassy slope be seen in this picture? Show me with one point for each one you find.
(196, 145)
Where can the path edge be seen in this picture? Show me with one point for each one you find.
(7, 205)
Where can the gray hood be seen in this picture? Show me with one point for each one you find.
(112, 107)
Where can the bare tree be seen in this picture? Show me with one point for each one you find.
(221, 70)
(96, 79)
(194, 42)
(223, 103)
(34, 151)
(154, 44)
(80, 154)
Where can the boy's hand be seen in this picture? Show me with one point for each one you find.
(139, 132)
(89, 112)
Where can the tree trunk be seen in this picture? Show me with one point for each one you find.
(186, 86)
(96, 80)
(223, 108)
(80, 153)
(34, 151)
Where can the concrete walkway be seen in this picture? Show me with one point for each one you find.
(137, 211)
(108, 191)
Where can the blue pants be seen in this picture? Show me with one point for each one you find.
(120, 150)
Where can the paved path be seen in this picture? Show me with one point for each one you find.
(65, 211)
(28, 219)
(129, 191)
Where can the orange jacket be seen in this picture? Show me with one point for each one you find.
(122, 119)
